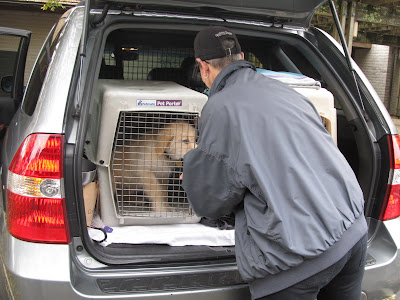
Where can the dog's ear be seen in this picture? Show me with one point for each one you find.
(165, 136)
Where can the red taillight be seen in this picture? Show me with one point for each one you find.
(39, 156)
(392, 199)
(35, 202)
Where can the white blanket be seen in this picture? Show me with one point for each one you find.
(173, 235)
(291, 79)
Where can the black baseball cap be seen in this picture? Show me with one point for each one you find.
(208, 43)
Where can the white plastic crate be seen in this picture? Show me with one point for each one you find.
(144, 129)
(321, 98)
(324, 104)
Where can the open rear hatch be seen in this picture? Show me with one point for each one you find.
(287, 12)
(146, 82)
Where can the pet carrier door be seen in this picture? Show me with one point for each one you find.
(147, 161)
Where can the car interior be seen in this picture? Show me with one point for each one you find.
(135, 55)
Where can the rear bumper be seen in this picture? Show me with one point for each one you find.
(40, 271)
(32, 289)
(47, 272)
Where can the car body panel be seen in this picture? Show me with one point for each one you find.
(385, 249)
(49, 114)
(56, 86)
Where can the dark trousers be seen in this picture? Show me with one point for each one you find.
(341, 281)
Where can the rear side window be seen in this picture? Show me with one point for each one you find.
(142, 58)
(144, 62)
(40, 69)
(249, 56)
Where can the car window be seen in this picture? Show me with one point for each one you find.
(40, 69)
(144, 62)
(249, 56)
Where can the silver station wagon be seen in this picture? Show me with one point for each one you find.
(92, 205)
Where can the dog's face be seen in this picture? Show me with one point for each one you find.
(181, 139)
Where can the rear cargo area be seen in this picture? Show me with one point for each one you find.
(146, 103)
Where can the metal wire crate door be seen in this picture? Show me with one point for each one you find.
(147, 162)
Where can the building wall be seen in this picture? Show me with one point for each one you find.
(37, 21)
(377, 67)
(394, 107)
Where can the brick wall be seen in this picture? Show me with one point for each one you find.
(377, 67)
(394, 107)
(37, 21)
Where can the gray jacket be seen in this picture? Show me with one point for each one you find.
(264, 154)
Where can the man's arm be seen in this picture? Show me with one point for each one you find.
(212, 186)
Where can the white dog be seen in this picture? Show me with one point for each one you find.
(148, 162)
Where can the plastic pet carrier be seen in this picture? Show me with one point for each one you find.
(143, 130)
(321, 98)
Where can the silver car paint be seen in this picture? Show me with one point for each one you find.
(385, 273)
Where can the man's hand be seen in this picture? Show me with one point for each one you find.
(181, 176)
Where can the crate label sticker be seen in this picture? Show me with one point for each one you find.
(159, 102)
(146, 102)
(169, 102)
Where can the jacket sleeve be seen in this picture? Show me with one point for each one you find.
(210, 179)
(212, 186)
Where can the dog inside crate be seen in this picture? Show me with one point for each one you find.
(147, 162)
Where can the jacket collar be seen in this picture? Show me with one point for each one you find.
(221, 79)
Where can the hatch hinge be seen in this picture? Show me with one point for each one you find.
(77, 112)
(276, 23)
(347, 55)
(98, 19)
